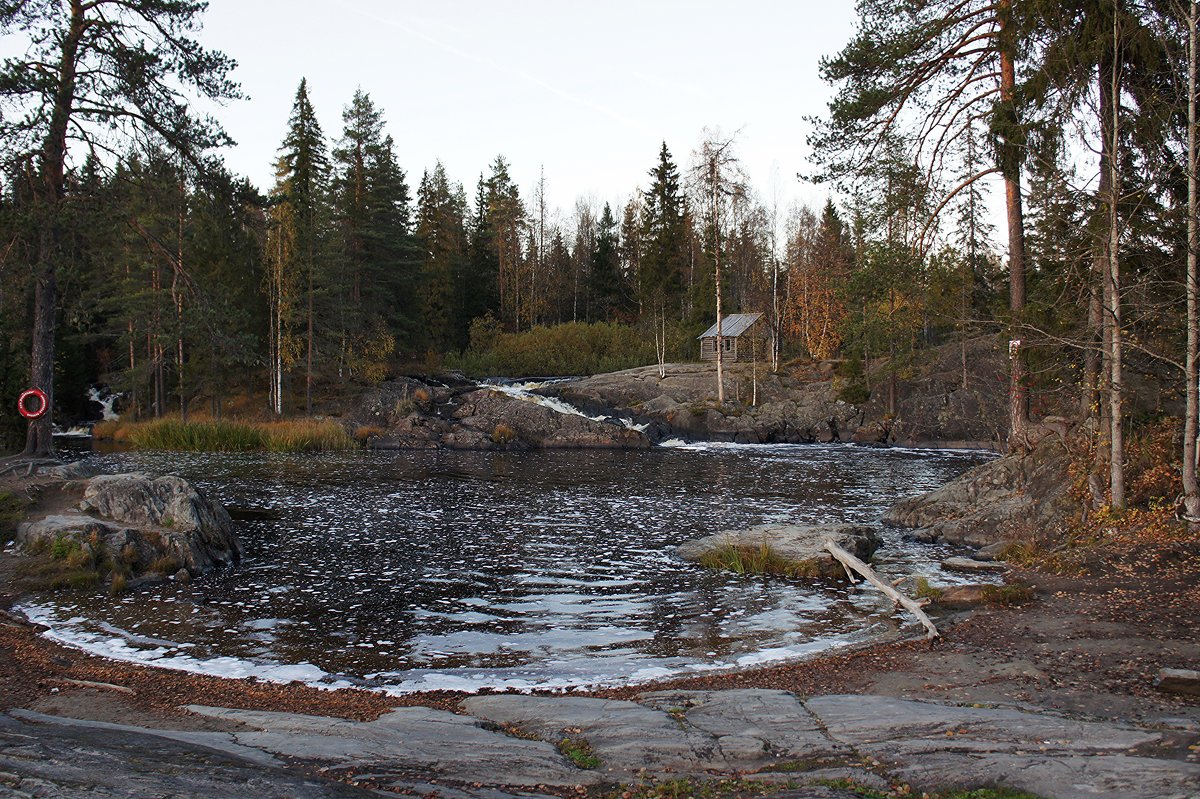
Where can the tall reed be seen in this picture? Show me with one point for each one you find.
(298, 435)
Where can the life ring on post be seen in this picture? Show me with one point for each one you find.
(38, 410)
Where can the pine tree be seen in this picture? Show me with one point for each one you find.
(71, 89)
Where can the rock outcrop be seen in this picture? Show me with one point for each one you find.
(131, 524)
(799, 549)
(409, 414)
(803, 403)
(1002, 500)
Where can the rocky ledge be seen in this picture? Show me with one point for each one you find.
(132, 526)
(999, 501)
(414, 414)
(504, 747)
(795, 550)
(806, 402)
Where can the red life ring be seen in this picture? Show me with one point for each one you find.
(43, 403)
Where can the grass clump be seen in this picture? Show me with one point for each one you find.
(172, 433)
(927, 591)
(853, 787)
(503, 434)
(1007, 596)
(12, 511)
(761, 559)
(987, 793)
(579, 752)
(165, 565)
(687, 788)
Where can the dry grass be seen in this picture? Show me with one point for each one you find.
(171, 433)
(761, 559)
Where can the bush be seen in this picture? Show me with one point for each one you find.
(573, 348)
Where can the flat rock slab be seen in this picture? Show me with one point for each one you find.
(405, 741)
(802, 546)
(933, 746)
(50, 758)
(751, 726)
(1070, 777)
(904, 727)
(626, 736)
(972, 565)
(505, 748)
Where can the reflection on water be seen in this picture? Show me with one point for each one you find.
(462, 569)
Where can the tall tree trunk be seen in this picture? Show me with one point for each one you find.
(1191, 487)
(308, 369)
(1116, 389)
(39, 439)
(713, 176)
(1018, 398)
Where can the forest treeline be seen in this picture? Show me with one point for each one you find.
(130, 256)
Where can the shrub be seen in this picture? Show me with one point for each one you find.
(12, 510)
(573, 348)
(503, 434)
(164, 565)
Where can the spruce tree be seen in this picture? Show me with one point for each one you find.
(307, 169)
(606, 290)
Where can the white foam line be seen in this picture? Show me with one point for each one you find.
(120, 647)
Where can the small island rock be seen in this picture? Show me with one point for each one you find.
(802, 547)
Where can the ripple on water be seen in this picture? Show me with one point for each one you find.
(417, 570)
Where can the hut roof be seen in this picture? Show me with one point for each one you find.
(733, 325)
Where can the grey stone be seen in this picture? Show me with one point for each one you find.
(1061, 777)
(142, 520)
(906, 727)
(1001, 500)
(51, 758)
(406, 740)
(972, 565)
(802, 545)
(1178, 681)
(774, 724)
(626, 736)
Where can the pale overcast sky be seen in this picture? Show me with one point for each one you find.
(587, 90)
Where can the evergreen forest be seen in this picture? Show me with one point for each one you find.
(130, 256)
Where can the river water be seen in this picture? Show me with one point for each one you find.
(424, 570)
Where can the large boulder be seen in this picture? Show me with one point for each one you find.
(792, 549)
(135, 523)
(1003, 500)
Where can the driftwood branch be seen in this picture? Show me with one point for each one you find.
(852, 563)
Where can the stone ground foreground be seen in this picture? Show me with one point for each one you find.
(505, 745)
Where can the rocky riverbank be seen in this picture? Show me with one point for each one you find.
(1056, 698)
(801, 403)
(117, 530)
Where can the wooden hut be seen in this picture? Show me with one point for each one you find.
(738, 335)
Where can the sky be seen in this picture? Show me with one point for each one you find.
(585, 91)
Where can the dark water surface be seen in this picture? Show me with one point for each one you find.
(418, 570)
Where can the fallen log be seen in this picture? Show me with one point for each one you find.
(852, 563)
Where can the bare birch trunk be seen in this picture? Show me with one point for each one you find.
(1191, 487)
(1116, 389)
